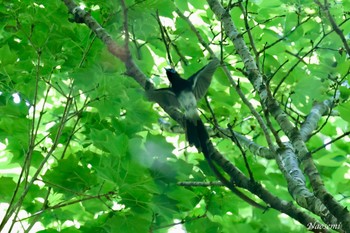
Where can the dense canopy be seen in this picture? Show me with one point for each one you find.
(83, 149)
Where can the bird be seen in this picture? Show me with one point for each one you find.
(184, 94)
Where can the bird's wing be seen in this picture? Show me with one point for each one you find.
(202, 79)
(164, 97)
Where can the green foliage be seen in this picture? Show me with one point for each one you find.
(7, 186)
(81, 146)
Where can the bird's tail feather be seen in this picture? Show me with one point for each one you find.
(196, 133)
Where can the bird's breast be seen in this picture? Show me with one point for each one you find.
(188, 102)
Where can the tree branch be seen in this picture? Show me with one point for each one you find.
(255, 77)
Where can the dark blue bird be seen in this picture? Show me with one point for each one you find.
(184, 94)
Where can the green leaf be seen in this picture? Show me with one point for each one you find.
(205, 225)
(7, 56)
(315, 88)
(131, 222)
(7, 187)
(344, 93)
(182, 5)
(68, 177)
(108, 141)
(332, 160)
(344, 110)
(164, 207)
(186, 198)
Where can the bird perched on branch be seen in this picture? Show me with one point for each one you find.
(184, 94)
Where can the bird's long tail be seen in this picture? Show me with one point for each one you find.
(195, 133)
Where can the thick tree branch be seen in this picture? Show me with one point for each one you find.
(254, 76)
(289, 165)
(242, 181)
(310, 124)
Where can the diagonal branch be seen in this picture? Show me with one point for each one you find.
(255, 77)
(335, 27)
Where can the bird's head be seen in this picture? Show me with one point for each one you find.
(172, 74)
